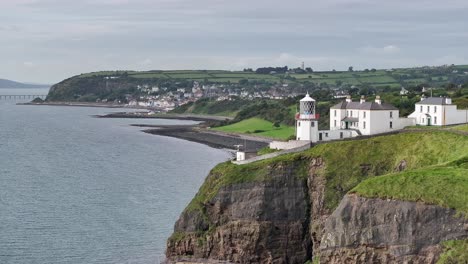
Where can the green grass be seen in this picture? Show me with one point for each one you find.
(266, 150)
(348, 163)
(428, 185)
(257, 126)
(461, 127)
(454, 251)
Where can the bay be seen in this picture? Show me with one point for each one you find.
(78, 189)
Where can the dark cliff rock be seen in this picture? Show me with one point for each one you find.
(255, 222)
(365, 230)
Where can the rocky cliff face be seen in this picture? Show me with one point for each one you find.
(284, 220)
(364, 230)
(256, 222)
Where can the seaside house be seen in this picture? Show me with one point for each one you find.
(367, 118)
(438, 111)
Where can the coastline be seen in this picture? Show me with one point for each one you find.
(195, 133)
(202, 136)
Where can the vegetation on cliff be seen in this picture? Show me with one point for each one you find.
(455, 251)
(428, 185)
(425, 165)
(348, 163)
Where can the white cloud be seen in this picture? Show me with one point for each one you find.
(28, 64)
(146, 62)
(389, 49)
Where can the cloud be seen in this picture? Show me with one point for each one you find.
(389, 49)
(146, 62)
(28, 64)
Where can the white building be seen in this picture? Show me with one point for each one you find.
(307, 120)
(403, 91)
(367, 118)
(438, 111)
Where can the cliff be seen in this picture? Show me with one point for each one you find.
(296, 207)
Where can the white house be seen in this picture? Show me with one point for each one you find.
(367, 118)
(403, 91)
(438, 111)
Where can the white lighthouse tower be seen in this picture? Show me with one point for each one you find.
(307, 120)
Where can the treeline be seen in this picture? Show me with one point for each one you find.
(268, 70)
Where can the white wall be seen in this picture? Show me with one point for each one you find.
(454, 116)
(288, 145)
(328, 135)
(307, 130)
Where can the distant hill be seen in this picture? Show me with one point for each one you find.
(12, 84)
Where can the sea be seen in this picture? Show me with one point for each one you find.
(80, 189)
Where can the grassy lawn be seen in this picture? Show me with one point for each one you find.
(461, 127)
(257, 126)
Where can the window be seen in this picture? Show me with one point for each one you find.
(364, 124)
(312, 124)
(335, 123)
(326, 134)
(435, 109)
(422, 121)
(364, 114)
(391, 124)
(420, 109)
(347, 113)
(391, 114)
(428, 108)
(334, 112)
(298, 124)
(435, 120)
(351, 112)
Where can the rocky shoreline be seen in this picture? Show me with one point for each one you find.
(199, 135)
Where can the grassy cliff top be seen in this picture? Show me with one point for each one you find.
(444, 185)
(348, 163)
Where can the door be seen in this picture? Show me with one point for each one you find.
(346, 125)
(428, 120)
(320, 136)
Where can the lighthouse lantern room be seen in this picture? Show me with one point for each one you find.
(307, 120)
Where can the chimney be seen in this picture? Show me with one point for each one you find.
(423, 97)
(377, 99)
(448, 100)
(363, 99)
(348, 99)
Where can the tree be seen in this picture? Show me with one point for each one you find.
(373, 70)
(350, 68)
(366, 70)
(309, 69)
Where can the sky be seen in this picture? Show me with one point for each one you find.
(46, 41)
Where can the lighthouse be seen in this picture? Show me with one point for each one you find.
(307, 120)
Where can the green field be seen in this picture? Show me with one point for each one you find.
(379, 78)
(257, 126)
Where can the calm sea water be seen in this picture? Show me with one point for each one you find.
(77, 189)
